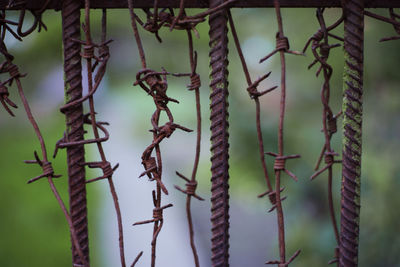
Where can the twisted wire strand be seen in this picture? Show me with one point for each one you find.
(155, 84)
(93, 82)
(219, 136)
(282, 47)
(191, 184)
(320, 48)
(352, 131)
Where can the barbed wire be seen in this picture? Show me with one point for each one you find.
(282, 46)
(394, 20)
(155, 84)
(8, 67)
(100, 54)
(320, 48)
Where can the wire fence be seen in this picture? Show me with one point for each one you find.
(160, 14)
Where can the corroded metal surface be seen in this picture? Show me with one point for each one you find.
(75, 120)
(219, 136)
(155, 84)
(320, 48)
(56, 4)
(352, 131)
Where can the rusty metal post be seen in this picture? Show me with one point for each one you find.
(352, 132)
(219, 136)
(74, 121)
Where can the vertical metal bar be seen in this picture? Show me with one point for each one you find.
(352, 131)
(74, 120)
(219, 136)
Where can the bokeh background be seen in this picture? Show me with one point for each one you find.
(33, 231)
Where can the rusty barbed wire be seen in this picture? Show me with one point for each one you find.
(282, 46)
(9, 67)
(394, 20)
(155, 84)
(320, 48)
(254, 94)
(37, 22)
(6, 102)
(183, 22)
(100, 54)
(191, 184)
(166, 18)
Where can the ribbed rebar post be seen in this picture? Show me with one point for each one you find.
(74, 120)
(352, 121)
(219, 136)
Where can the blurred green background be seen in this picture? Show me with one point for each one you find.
(33, 231)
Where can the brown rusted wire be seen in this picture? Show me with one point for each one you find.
(47, 170)
(37, 21)
(137, 259)
(101, 59)
(6, 102)
(93, 83)
(165, 18)
(4, 26)
(155, 84)
(149, 163)
(282, 46)
(394, 20)
(320, 49)
(191, 184)
(255, 94)
(180, 22)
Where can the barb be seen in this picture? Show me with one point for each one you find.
(137, 259)
(282, 46)
(352, 131)
(4, 26)
(320, 49)
(5, 101)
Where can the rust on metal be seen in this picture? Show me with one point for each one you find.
(100, 54)
(56, 4)
(15, 76)
(218, 34)
(195, 83)
(352, 131)
(155, 84)
(282, 47)
(394, 19)
(320, 48)
(159, 14)
(252, 89)
(75, 119)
